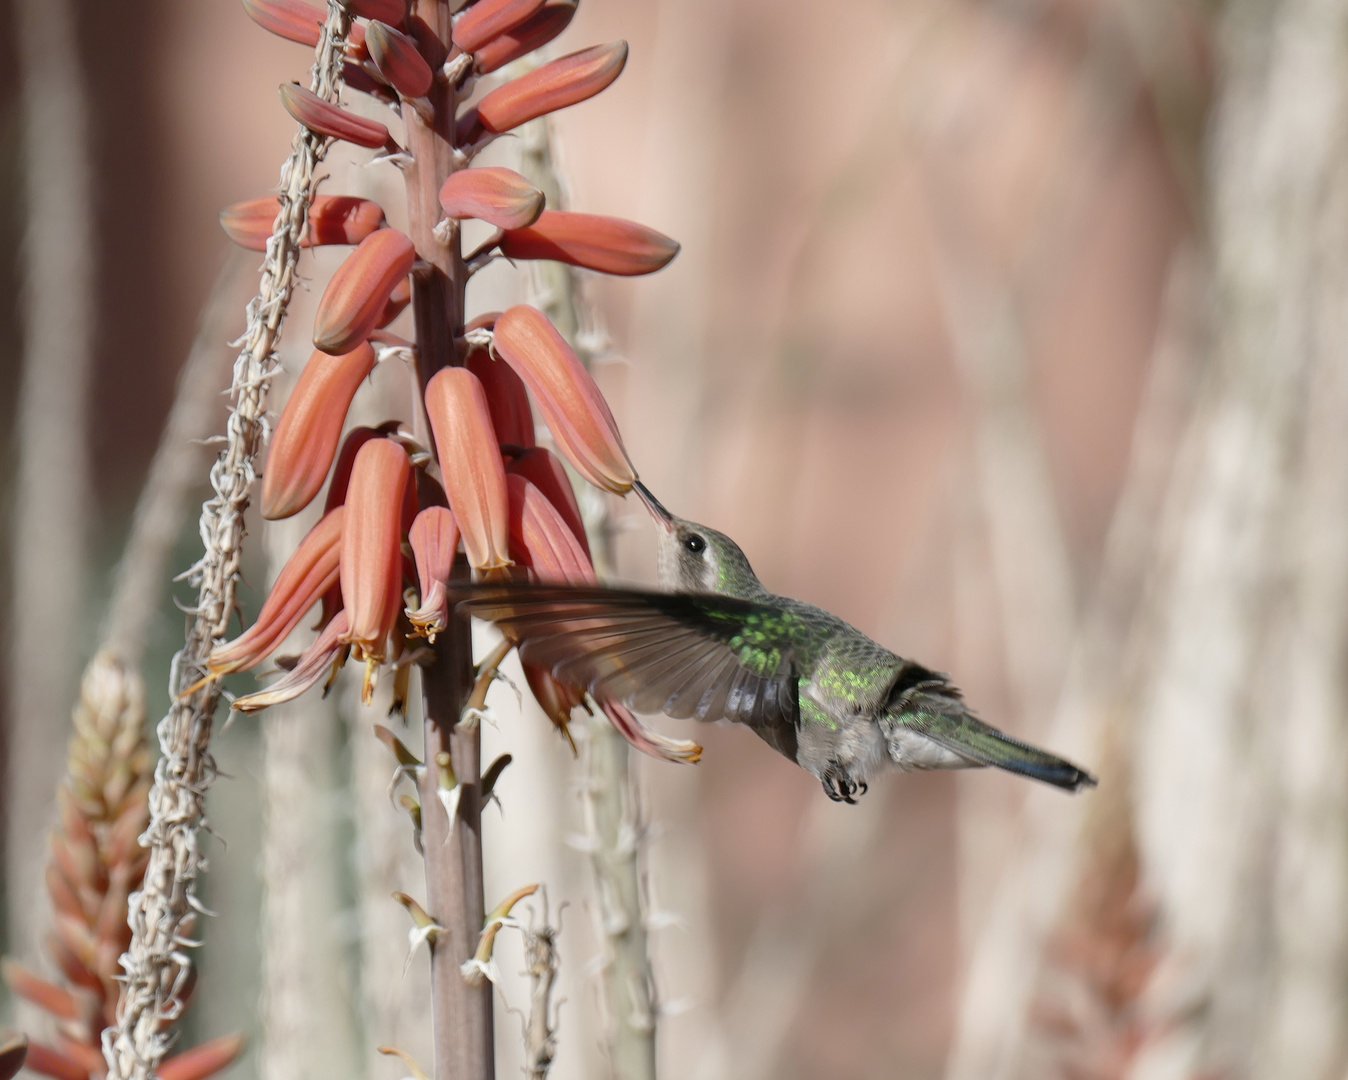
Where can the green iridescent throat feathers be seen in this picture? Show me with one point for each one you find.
(718, 646)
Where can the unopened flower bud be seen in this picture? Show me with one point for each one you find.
(392, 12)
(573, 408)
(541, 468)
(359, 291)
(311, 423)
(554, 86)
(544, 25)
(399, 60)
(541, 540)
(488, 19)
(511, 416)
(500, 197)
(293, 20)
(470, 462)
(331, 120)
(607, 244)
(333, 219)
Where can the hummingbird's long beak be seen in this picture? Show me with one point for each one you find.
(662, 516)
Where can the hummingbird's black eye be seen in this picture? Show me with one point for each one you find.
(695, 544)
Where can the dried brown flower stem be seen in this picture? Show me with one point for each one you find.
(156, 963)
(540, 963)
(462, 1014)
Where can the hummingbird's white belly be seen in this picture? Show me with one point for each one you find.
(910, 750)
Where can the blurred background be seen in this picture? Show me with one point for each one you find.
(1011, 331)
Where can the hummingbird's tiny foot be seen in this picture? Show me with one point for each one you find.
(839, 786)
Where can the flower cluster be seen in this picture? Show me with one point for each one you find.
(398, 513)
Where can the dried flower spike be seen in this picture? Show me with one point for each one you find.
(333, 219)
(488, 19)
(500, 197)
(470, 462)
(328, 119)
(311, 423)
(567, 81)
(607, 244)
(435, 538)
(573, 408)
(372, 560)
(359, 291)
(399, 60)
(549, 21)
(309, 573)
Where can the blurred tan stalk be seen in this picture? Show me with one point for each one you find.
(53, 490)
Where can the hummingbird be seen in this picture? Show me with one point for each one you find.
(717, 645)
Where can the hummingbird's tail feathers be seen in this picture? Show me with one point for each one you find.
(937, 713)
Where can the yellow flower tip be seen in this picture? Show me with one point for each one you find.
(371, 679)
(572, 406)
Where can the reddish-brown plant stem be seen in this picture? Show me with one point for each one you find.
(462, 1014)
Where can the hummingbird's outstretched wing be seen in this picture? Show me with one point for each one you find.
(682, 654)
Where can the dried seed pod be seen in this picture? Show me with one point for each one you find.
(399, 60)
(544, 25)
(328, 119)
(293, 20)
(434, 537)
(333, 219)
(392, 12)
(372, 560)
(572, 406)
(500, 197)
(488, 19)
(554, 86)
(607, 244)
(359, 291)
(306, 576)
(541, 468)
(306, 437)
(511, 417)
(471, 465)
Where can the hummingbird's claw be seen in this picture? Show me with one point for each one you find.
(839, 785)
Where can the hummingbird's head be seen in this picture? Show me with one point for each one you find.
(694, 558)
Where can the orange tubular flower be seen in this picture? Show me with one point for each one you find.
(306, 437)
(388, 11)
(542, 469)
(333, 219)
(488, 19)
(549, 21)
(372, 559)
(647, 740)
(346, 459)
(555, 699)
(309, 573)
(328, 119)
(435, 537)
(291, 19)
(511, 417)
(359, 291)
(471, 465)
(500, 197)
(607, 244)
(572, 406)
(398, 60)
(542, 540)
(554, 86)
(321, 658)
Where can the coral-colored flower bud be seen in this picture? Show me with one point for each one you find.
(359, 291)
(398, 300)
(470, 463)
(346, 459)
(490, 18)
(545, 24)
(607, 244)
(311, 423)
(372, 559)
(554, 86)
(433, 50)
(306, 576)
(573, 408)
(321, 658)
(434, 537)
(392, 12)
(542, 540)
(333, 219)
(203, 1060)
(357, 77)
(511, 417)
(500, 197)
(328, 119)
(542, 469)
(399, 60)
(291, 19)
